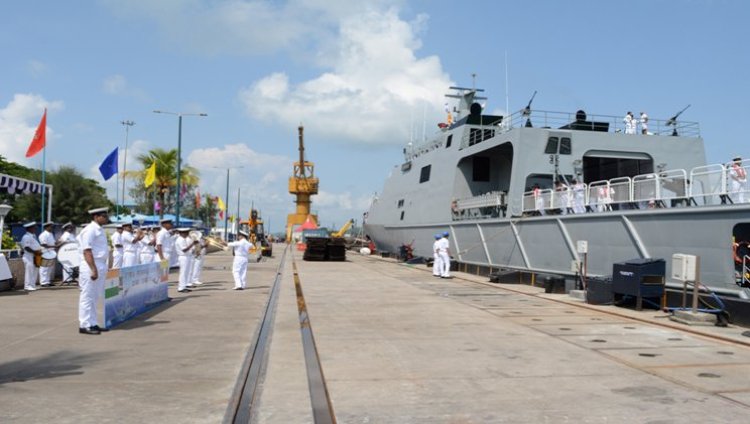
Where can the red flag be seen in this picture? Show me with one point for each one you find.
(221, 214)
(40, 137)
(197, 198)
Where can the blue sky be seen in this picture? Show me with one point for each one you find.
(358, 75)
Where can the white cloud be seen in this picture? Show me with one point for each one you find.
(37, 68)
(114, 84)
(117, 85)
(374, 85)
(240, 27)
(18, 122)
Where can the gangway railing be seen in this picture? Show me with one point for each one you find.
(706, 185)
(489, 205)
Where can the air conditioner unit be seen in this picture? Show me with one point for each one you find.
(684, 267)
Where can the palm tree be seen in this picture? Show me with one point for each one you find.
(166, 177)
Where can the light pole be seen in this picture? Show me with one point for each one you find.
(4, 210)
(226, 205)
(127, 125)
(179, 156)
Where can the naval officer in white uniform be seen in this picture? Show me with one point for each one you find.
(68, 236)
(117, 251)
(47, 240)
(93, 270)
(241, 250)
(183, 246)
(30, 247)
(164, 243)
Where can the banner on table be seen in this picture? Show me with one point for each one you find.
(134, 290)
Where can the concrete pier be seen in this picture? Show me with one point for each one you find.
(396, 345)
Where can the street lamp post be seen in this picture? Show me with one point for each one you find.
(179, 156)
(226, 206)
(127, 125)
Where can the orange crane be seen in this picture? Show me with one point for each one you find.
(302, 184)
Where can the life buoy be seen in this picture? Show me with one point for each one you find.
(740, 250)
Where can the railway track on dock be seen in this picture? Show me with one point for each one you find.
(244, 402)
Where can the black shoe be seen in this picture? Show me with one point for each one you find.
(184, 291)
(96, 327)
(90, 330)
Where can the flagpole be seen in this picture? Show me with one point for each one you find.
(44, 179)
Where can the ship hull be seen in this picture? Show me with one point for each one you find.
(548, 244)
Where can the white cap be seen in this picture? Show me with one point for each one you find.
(98, 211)
(48, 223)
(183, 230)
(165, 220)
(68, 224)
(29, 224)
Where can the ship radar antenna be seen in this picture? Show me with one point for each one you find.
(526, 113)
(673, 120)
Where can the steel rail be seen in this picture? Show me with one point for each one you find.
(242, 401)
(319, 397)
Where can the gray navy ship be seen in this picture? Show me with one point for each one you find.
(521, 191)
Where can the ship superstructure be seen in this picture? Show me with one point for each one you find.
(519, 191)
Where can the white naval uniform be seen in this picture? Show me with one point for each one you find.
(198, 263)
(738, 178)
(185, 260)
(67, 237)
(579, 195)
(117, 251)
(92, 238)
(129, 256)
(630, 124)
(445, 258)
(436, 265)
(239, 266)
(164, 240)
(46, 272)
(644, 123)
(30, 270)
(147, 254)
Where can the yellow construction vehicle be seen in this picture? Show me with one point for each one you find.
(344, 228)
(254, 227)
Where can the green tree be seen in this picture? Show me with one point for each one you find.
(165, 188)
(72, 195)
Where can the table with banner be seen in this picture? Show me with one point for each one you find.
(134, 290)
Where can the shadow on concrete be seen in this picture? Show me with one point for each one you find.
(15, 292)
(53, 365)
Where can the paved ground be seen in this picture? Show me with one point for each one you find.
(396, 346)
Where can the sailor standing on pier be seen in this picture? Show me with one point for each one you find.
(93, 270)
(184, 248)
(68, 236)
(436, 264)
(445, 255)
(164, 243)
(117, 251)
(47, 240)
(31, 247)
(129, 245)
(241, 250)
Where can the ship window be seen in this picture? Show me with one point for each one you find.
(565, 146)
(401, 203)
(448, 141)
(424, 176)
(551, 145)
(402, 215)
(481, 168)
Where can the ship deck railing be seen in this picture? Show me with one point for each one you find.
(603, 123)
(701, 186)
